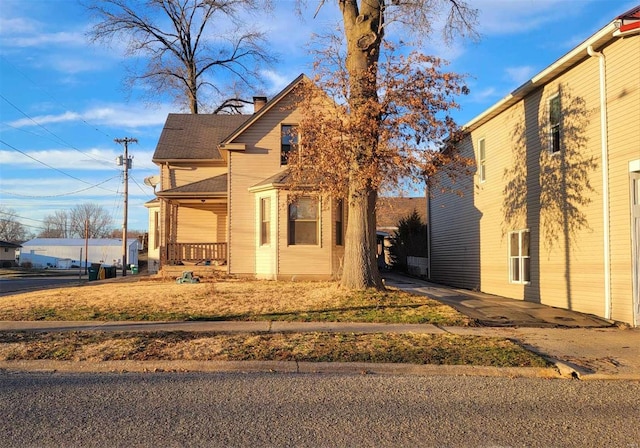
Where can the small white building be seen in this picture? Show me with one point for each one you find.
(66, 252)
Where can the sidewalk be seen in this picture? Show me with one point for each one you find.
(581, 346)
(601, 353)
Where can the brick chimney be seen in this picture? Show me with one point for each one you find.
(258, 103)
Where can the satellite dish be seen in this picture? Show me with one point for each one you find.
(152, 181)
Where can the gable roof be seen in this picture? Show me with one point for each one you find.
(390, 210)
(212, 186)
(9, 245)
(194, 136)
(270, 104)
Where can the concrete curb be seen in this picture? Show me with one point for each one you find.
(287, 367)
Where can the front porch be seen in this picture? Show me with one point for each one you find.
(205, 260)
(205, 254)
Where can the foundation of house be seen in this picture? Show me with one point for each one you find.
(204, 272)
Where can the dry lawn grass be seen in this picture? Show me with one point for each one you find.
(226, 300)
(311, 347)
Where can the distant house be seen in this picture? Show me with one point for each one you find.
(552, 213)
(389, 211)
(8, 253)
(222, 198)
(63, 253)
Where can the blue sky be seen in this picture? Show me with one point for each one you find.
(63, 101)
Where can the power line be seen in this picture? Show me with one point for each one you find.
(64, 106)
(60, 139)
(53, 168)
(61, 194)
(21, 217)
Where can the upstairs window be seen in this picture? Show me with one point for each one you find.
(555, 115)
(303, 222)
(482, 160)
(289, 140)
(519, 258)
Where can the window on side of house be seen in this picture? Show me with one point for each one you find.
(265, 221)
(156, 229)
(339, 220)
(289, 140)
(555, 115)
(303, 222)
(482, 160)
(519, 258)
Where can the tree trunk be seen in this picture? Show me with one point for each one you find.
(360, 263)
(363, 33)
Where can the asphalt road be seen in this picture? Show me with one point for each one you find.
(16, 285)
(173, 409)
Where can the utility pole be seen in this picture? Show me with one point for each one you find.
(125, 162)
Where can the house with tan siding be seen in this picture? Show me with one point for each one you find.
(552, 213)
(223, 201)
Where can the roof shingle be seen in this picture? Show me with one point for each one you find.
(195, 136)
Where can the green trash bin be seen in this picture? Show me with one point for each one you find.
(134, 269)
(93, 273)
(110, 272)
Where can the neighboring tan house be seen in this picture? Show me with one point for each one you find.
(8, 253)
(222, 199)
(552, 213)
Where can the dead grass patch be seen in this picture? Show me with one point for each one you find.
(227, 300)
(440, 349)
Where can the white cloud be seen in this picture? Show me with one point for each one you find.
(519, 75)
(276, 81)
(117, 115)
(45, 39)
(483, 95)
(94, 159)
(13, 25)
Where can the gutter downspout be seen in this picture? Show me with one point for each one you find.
(605, 179)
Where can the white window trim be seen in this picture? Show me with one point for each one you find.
(550, 132)
(318, 225)
(520, 257)
(262, 202)
(482, 162)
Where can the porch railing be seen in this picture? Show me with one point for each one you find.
(196, 253)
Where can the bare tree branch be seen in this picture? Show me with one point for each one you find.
(183, 42)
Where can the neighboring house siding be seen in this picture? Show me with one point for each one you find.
(557, 197)
(454, 236)
(7, 253)
(259, 161)
(623, 100)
